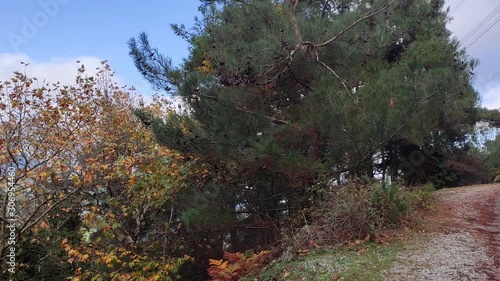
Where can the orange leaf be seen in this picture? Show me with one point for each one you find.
(88, 177)
(44, 225)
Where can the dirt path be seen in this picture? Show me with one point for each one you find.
(462, 241)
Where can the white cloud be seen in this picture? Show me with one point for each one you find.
(62, 70)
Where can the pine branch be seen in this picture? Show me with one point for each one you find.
(353, 25)
(342, 81)
(244, 110)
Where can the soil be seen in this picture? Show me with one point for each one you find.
(460, 239)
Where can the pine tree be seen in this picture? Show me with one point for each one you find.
(285, 96)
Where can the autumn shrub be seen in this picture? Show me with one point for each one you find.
(99, 196)
(235, 266)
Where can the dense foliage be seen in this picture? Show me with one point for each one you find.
(286, 106)
(94, 189)
(285, 97)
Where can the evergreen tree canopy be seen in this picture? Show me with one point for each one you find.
(284, 96)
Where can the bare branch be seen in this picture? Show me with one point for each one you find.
(354, 24)
(338, 77)
(28, 225)
(244, 110)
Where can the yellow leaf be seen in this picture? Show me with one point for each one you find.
(224, 265)
(108, 259)
(76, 179)
(215, 262)
(84, 257)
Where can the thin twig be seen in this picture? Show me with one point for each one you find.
(338, 77)
(353, 25)
(244, 110)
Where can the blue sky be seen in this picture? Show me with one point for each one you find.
(56, 31)
(52, 34)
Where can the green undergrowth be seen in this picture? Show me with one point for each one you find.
(367, 261)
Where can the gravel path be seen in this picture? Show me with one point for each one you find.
(462, 242)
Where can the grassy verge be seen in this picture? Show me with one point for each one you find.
(367, 261)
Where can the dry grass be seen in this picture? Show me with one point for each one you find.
(355, 213)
